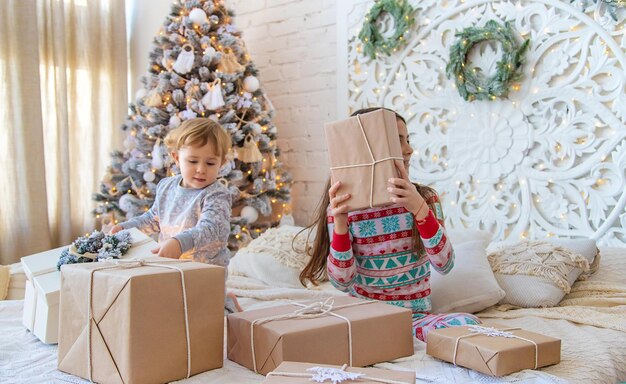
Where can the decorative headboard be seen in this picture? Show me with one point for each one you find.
(549, 160)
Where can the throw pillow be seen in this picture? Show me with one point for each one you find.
(470, 286)
(271, 258)
(538, 274)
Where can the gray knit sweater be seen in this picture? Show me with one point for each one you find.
(198, 218)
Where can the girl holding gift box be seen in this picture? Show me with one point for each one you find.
(386, 253)
(191, 211)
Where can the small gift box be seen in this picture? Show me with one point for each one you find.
(141, 321)
(493, 351)
(41, 296)
(362, 151)
(343, 330)
(294, 373)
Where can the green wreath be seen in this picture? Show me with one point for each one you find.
(373, 42)
(470, 84)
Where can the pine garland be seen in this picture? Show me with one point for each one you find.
(470, 83)
(373, 42)
(96, 247)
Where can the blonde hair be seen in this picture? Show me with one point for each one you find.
(198, 132)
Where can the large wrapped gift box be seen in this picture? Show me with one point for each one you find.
(143, 315)
(495, 351)
(295, 373)
(362, 151)
(343, 330)
(41, 296)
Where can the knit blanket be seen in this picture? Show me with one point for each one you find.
(592, 303)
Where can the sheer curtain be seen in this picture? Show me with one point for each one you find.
(63, 95)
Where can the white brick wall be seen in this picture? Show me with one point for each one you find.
(293, 43)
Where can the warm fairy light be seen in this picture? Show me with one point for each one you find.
(116, 221)
(128, 191)
(249, 172)
(273, 201)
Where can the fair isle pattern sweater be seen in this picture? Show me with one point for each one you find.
(375, 259)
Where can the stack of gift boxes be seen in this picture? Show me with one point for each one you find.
(143, 319)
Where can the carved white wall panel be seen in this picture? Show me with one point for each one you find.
(549, 160)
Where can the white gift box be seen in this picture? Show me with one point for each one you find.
(43, 284)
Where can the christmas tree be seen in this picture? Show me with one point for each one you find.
(199, 67)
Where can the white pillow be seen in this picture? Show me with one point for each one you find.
(271, 259)
(544, 280)
(470, 286)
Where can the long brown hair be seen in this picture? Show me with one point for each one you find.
(315, 270)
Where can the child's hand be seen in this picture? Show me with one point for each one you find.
(338, 209)
(116, 228)
(170, 248)
(404, 193)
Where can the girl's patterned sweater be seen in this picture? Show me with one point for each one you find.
(376, 260)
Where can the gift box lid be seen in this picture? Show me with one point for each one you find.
(41, 263)
(48, 287)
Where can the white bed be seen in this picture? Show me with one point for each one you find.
(590, 353)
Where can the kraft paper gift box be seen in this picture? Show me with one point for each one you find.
(41, 296)
(301, 373)
(141, 323)
(364, 173)
(494, 351)
(343, 330)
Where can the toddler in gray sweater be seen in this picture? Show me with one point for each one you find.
(191, 211)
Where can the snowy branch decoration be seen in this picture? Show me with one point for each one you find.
(470, 83)
(373, 41)
(96, 247)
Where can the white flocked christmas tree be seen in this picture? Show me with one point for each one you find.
(199, 67)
